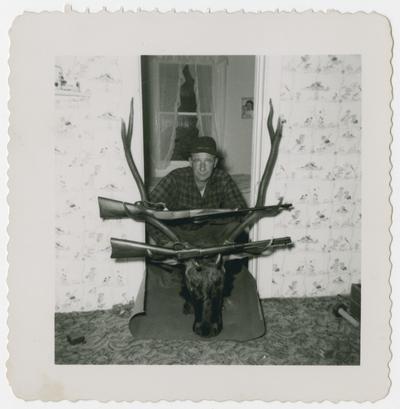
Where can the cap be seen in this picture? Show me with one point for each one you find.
(204, 144)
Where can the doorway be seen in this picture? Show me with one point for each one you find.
(185, 97)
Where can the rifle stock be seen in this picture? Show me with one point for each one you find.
(114, 209)
(133, 249)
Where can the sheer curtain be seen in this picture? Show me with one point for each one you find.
(170, 82)
(209, 87)
(219, 99)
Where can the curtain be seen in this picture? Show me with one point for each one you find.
(204, 91)
(170, 81)
(209, 85)
(219, 100)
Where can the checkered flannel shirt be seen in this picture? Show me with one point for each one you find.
(178, 190)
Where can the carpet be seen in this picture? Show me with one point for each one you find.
(300, 331)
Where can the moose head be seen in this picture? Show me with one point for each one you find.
(203, 291)
(205, 277)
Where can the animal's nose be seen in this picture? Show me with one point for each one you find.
(203, 329)
(206, 329)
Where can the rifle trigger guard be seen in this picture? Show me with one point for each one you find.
(179, 246)
(151, 205)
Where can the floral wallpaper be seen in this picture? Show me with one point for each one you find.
(319, 171)
(90, 97)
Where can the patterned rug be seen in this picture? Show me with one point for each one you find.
(300, 331)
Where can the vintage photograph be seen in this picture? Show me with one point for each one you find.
(208, 239)
(247, 108)
(186, 209)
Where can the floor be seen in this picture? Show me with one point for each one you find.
(300, 331)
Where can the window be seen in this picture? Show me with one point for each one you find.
(184, 99)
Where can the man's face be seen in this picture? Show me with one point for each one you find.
(203, 165)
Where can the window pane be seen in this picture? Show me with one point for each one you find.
(186, 133)
(166, 134)
(205, 87)
(187, 95)
(206, 125)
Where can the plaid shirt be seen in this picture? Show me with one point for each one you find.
(178, 190)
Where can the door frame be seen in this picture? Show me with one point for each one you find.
(266, 87)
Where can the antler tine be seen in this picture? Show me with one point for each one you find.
(130, 124)
(275, 137)
(127, 140)
(270, 118)
(156, 223)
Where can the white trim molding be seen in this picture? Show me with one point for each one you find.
(266, 87)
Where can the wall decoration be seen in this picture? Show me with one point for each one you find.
(247, 107)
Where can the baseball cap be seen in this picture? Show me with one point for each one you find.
(204, 144)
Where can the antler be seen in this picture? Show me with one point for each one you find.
(156, 223)
(275, 137)
(127, 141)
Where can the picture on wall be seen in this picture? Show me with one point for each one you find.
(247, 107)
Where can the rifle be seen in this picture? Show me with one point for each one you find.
(133, 249)
(115, 209)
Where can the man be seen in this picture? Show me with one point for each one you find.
(201, 185)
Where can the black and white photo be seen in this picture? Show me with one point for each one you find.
(198, 157)
(193, 216)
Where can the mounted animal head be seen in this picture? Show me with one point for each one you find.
(204, 275)
(204, 281)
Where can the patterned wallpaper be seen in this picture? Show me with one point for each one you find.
(319, 171)
(91, 96)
